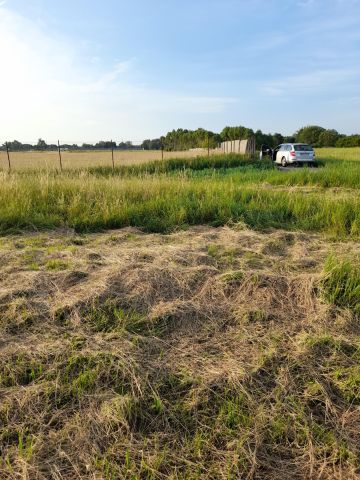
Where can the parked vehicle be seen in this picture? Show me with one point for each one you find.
(293, 153)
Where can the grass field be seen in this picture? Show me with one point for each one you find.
(194, 319)
(161, 196)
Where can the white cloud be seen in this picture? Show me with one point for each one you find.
(47, 89)
(313, 82)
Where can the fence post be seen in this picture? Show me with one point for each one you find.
(112, 155)
(60, 159)
(208, 145)
(162, 152)
(8, 155)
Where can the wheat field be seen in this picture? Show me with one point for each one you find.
(83, 159)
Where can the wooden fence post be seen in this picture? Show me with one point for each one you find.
(208, 146)
(60, 159)
(112, 155)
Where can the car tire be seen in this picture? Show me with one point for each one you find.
(283, 162)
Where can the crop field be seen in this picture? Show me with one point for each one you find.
(193, 318)
(49, 160)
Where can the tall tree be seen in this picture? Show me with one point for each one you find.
(41, 144)
(309, 134)
(328, 138)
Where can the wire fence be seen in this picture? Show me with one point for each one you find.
(64, 156)
(67, 158)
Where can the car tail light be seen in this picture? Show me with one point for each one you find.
(293, 154)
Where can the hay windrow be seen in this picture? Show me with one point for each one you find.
(207, 353)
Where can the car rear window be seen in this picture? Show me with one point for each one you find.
(303, 148)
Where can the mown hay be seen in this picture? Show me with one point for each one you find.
(177, 357)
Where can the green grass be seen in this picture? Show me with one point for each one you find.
(162, 196)
(109, 318)
(175, 164)
(162, 204)
(341, 283)
(57, 264)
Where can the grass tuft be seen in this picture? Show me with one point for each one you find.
(341, 283)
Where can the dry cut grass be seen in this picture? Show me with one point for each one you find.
(211, 353)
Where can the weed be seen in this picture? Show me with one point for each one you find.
(25, 446)
(57, 264)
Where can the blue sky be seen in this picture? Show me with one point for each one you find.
(85, 71)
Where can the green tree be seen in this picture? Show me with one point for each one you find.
(154, 144)
(348, 141)
(277, 139)
(41, 144)
(328, 138)
(263, 139)
(182, 139)
(236, 133)
(104, 145)
(309, 134)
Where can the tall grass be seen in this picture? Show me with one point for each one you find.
(160, 203)
(243, 169)
(161, 196)
(344, 175)
(341, 283)
(175, 164)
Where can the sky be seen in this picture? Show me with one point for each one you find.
(84, 71)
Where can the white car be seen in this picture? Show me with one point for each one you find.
(290, 153)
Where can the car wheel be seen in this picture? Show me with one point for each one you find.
(283, 162)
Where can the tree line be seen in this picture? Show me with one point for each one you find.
(183, 139)
(41, 145)
(317, 136)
